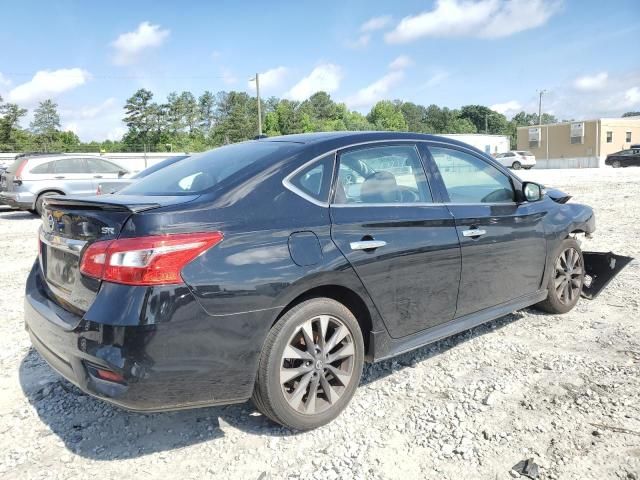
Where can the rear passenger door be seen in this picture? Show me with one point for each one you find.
(72, 175)
(502, 241)
(401, 243)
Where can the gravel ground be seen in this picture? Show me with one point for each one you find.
(563, 390)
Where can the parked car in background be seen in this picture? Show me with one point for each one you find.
(624, 158)
(517, 159)
(256, 270)
(112, 186)
(33, 177)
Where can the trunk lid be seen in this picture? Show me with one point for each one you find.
(69, 226)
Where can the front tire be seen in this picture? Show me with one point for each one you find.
(310, 365)
(616, 164)
(516, 166)
(565, 282)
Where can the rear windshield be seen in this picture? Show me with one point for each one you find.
(525, 153)
(204, 171)
(159, 166)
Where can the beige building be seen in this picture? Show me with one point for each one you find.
(582, 144)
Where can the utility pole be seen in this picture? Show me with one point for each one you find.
(257, 80)
(540, 93)
(486, 123)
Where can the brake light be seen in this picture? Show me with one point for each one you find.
(18, 175)
(154, 260)
(99, 190)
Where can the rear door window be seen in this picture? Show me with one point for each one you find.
(380, 175)
(469, 179)
(71, 165)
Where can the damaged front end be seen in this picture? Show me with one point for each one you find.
(600, 268)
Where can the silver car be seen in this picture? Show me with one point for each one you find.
(31, 178)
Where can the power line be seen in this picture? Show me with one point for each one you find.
(122, 77)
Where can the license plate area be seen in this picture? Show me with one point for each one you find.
(61, 268)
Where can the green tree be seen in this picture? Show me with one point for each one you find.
(386, 115)
(485, 120)
(631, 114)
(206, 108)
(46, 119)
(415, 116)
(10, 115)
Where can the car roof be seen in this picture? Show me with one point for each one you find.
(342, 139)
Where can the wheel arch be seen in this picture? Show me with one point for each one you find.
(46, 190)
(344, 295)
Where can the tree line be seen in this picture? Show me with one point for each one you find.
(184, 122)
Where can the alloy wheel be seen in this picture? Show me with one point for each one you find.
(616, 164)
(317, 364)
(568, 277)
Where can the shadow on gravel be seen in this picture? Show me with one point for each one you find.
(8, 214)
(95, 429)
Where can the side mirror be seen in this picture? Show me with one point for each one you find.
(122, 173)
(533, 192)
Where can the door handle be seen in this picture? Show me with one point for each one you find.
(59, 177)
(367, 244)
(474, 232)
(97, 176)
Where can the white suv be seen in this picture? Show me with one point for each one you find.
(517, 159)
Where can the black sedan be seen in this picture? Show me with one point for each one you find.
(272, 269)
(624, 158)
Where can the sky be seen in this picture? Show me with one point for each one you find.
(91, 56)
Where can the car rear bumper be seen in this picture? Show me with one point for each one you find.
(164, 367)
(22, 200)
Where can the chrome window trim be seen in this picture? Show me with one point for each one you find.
(286, 182)
(66, 244)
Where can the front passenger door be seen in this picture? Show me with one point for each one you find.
(503, 243)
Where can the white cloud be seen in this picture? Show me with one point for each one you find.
(228, 77)
(483, 18)
(632, 95)
(375, 23)
(93, 111)
(271, 79)
(128, 46)
(99, 121)
(508, 109)
(360, 42)
(325, 77)
(591, 82)
(4, 81)
(47, 84)
(116, 133)
(401, 62)
(378, 90)
(436, 79)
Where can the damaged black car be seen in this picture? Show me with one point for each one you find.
(272, 269)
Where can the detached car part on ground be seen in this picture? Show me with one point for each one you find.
(272, 269)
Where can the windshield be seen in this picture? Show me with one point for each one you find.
(204, 171)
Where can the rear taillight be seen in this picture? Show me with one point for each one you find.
(99, 190)
(17, 177)
(155, 260)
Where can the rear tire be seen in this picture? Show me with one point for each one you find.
(616, 164)
(516, 166)
(565, 282)
(41, 198)
(310, 365)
